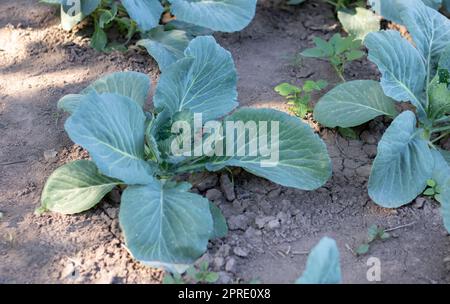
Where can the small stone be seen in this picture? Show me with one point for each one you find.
(350, 164)
(227, 187)
(238, 222)
(218, 262)
(251, 233)
(50, 155)
(274, 193)
(240, 252)
(213, 194)
(262, 221)
(68, 272)
(371, 150)
(368, 138)
(224, 250)
(1, 215)
(273, 224)
(364, 171)
(204, 181)
(112, 212)
(230, 266)
(419, 202)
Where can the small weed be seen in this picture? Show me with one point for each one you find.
(373, 233)
(299, 98)
(338, 51)
(432, 189)
(193, 275)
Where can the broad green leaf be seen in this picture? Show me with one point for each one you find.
(372, 233)
(303, 160)
(73, 12)
(435, 4)
(362, 249)
(353, 103)
(220, 227)
(430, 31)
(314, 53)
(323, 266)
(70, 103)
(285, 89)
(401, 65)
(441, 174)
(446, 4)
(99, 39)
(444, 60)
(146, 13)
(389, 10)
(165, 224)
(393, 9)
(130, 84)
(403, 164)
(359, 22)
(192, 29)
(203, 82)
(107, 16)
(75, 187)
(165, 46)
(218, 15)
(439, 100)
(111, 127)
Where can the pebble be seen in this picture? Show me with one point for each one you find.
(1, 215)
(368, 138)
(237, 222)
(205, 181)
(230, 266)
(262, 221)
(274, 193)
(371, 150)
(227, 187)
(273, 224)
(50, 155)
(364, 171)
(218, 262)
(419, 202)
(213, 194)
(240, 252)
(68, 272)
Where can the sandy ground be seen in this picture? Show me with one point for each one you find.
(39, 63)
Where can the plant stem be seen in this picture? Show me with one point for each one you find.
(339, 73)
(399, 227)
(440, 129)
(440, 137)
(443, 119)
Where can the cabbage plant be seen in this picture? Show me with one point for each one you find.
(165, 224)
(193, 18)
(323, 265)
(416, 72)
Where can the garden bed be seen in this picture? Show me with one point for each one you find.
(272, 228)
